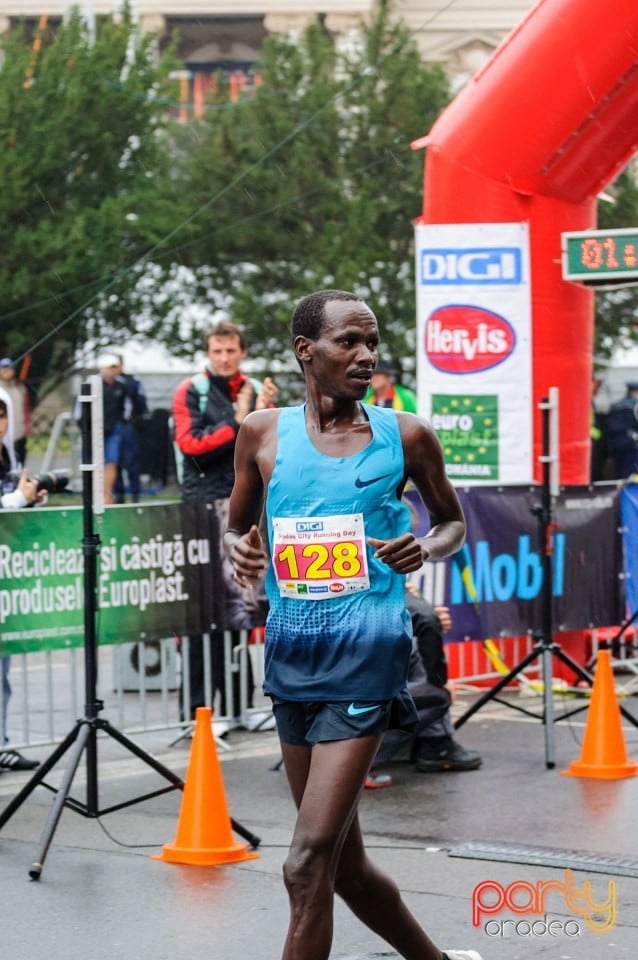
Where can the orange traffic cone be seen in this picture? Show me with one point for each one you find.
(604, 754)
(204, 834)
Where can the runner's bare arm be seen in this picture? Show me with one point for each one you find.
(254, 454)
(425, 466)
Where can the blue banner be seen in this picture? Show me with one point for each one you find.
(494, 585)
(629, 514)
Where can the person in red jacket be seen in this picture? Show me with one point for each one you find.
(208, 409)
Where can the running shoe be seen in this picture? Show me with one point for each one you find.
(461, 955)
(376, 780)
(452, 756)
(12, 760)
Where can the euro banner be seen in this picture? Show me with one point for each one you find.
(494, 586)
(158, 574)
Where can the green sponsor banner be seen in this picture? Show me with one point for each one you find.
(467, 426)
(158, 574)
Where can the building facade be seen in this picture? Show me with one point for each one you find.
(227, 35)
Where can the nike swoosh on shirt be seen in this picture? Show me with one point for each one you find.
(355, 711)
(366, 483)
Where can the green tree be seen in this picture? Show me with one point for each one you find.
(312, 180)
(86, 190)
(617, 310)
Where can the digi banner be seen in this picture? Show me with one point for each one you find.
(158, 574)
(474, 350)
(494, 585)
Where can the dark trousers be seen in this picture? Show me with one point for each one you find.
(435, 724)
(196, 676)
(129, 464)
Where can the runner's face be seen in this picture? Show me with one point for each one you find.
(345, 354)
(225, 355)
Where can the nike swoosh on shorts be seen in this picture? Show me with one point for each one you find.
(355, 711)
(366, 483)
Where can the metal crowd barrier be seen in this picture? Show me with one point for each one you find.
(139, 684)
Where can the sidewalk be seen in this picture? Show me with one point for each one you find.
(100, 896)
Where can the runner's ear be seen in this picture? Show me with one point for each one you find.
(303, 349)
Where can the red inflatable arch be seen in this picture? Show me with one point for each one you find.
(548, 122)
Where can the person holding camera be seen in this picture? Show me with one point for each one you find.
(21, 396)
(18, 490)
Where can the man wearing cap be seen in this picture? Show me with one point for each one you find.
(622, 433)
(115, 393)
(384, 392)
(21, 404)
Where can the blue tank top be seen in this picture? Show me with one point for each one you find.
(352, 645)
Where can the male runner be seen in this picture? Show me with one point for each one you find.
(338, 635)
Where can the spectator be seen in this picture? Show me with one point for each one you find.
(114, 401)
(135, 414)
(432, 748)
(597, 435)
(17, 491)
(622, 433)
(21, 402)
(207, 411)
(384, 392)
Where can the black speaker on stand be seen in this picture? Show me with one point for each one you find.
(544, 646)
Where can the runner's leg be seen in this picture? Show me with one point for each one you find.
(376, 900)
(327, 851)
(326, 781)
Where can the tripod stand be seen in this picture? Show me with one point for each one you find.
(544, 647)
(83, 736)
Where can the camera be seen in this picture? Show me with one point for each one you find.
(53, 481)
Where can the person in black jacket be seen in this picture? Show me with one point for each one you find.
(208, 409)
(621, 433)
(135, 417)
(432, 747)
(115, 392)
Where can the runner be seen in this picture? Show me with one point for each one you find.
(338, 635)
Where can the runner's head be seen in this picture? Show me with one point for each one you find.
(335, 339)
(310, 314)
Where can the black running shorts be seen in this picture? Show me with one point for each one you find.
(304, 724)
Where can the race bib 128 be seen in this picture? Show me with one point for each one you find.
(318, 558)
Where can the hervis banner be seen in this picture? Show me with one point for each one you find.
(474, 351)
(158, 574)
